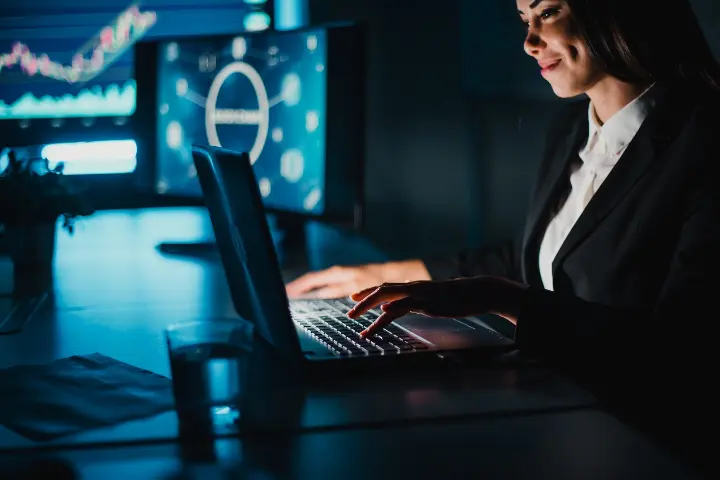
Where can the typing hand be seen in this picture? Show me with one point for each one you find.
(334, 282)
(339, 282)
(452, 298)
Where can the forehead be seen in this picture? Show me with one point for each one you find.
(526, 5)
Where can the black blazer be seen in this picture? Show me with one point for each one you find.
(636, 281)
(640, 265)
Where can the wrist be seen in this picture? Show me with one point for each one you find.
(512, 300)
(404, 271)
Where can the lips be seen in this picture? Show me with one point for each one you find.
(548, 65)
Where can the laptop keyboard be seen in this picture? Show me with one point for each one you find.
(327, 322)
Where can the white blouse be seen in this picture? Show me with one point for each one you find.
(604, 147)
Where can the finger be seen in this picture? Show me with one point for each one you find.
(383, 321)
(382, 294)
(313, 280)
(363, 293)
(332, 291)
(367, 291)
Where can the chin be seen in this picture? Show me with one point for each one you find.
(566, 91)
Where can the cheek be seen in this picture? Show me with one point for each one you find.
(584, 62)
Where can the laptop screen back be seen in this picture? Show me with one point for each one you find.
(243, 238)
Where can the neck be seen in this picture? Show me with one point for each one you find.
(609, 95)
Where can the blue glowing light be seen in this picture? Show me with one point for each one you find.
(291, 14)
(256, 21)
(291, 89)
(89, 158)
(113, 101)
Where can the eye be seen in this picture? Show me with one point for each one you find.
(549, 12)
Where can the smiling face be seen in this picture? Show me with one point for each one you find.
(562, 54)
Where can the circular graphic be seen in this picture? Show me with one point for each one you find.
(261, 117)
(174, 135)
(291, 89)
(265, 187)
(172, 52)
(312, 42)
(292, 165)
(312, 121)
(239, 48)
(181, 87)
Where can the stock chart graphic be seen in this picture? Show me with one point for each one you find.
(43, 87)
(74, 58)
(264, 94)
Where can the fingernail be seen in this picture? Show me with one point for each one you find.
(363, 333)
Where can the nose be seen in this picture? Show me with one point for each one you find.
(533, 43)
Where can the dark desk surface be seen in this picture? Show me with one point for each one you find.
(114, 294)
(575, 445)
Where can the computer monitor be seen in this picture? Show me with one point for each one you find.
(294, 100)
(67, 72)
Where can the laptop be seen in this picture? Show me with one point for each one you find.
(314, 330)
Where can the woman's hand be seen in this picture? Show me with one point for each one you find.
(453, 298)
(339, 282)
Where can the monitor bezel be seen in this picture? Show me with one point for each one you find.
(344, 132)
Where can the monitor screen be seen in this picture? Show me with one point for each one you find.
(264, 94)
(74, 59)
(294, 100)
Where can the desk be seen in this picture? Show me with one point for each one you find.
(114, 294)
(554, 446)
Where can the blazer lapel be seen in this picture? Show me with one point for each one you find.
(552, 187)
(652, 137)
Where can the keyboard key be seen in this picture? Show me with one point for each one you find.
(341, 334)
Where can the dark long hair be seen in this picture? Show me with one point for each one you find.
(641, 41)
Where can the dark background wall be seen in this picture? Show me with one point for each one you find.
(418, 188)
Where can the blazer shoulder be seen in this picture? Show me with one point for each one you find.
(706, 114)
(698, 132)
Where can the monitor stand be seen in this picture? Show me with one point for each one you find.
(189, 249)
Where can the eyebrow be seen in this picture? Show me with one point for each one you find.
(534, 4)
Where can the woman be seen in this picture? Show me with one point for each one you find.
(646, 137)
(615, 276)
(648, 239)
(634, 43)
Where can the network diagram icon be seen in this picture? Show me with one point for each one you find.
(215, 116)
(264, 94)
(258, 115)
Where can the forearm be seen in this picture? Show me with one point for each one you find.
(501, 261)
